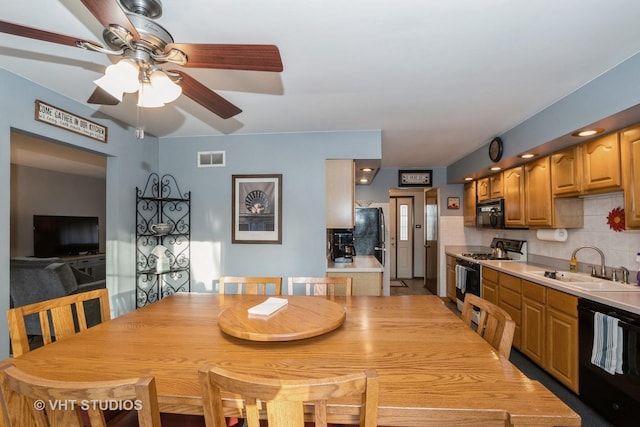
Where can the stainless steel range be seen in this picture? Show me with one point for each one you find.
(468, 266)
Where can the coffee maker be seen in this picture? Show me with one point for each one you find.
(342, 249)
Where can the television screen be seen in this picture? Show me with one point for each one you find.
(65, 235)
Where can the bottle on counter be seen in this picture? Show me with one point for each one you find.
(573, 264)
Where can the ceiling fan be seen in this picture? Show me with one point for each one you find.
(146, 48)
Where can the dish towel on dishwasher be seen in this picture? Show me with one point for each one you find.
(461, 278)
(606, 352)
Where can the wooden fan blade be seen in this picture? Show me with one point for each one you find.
(258, 57)
(102, 97)
(206, 97)
(34, 33)
(109, 12)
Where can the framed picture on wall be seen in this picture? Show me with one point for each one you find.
(256, 209)
(453, 202)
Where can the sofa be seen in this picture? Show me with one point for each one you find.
(39, 279)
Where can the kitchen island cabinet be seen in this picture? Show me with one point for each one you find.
(365, 272)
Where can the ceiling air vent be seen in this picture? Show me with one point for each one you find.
(210, 159)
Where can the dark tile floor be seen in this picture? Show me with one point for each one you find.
(590, 418)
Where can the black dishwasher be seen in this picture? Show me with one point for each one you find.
(616, 396)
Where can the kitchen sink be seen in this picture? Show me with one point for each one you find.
(584, 281)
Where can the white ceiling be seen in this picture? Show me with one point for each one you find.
(439, 78)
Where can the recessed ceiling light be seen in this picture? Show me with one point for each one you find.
(527, 155)
(495, 168)
(364, 180)
(587, 132)
(366, 170)
(468, 178)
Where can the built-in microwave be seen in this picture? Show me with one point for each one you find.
(490, 214)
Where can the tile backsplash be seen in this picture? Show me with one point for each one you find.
(620, 248)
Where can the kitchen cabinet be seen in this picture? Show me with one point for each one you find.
(566, 172)
(542, 210)
(451, 278)
(630, 158)
(601, 164)
(510, 300)
(483, 189)
(562, 337)
(490, 285)
(537, 195)
(489, 188)
(469, 204)
(340, 193)
(546, 322)
(363, 283)
(533, 321)
(514, 200)
(495, 186)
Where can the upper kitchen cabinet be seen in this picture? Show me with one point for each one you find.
(537, 193)
(469, 204)
(601, 164)
(630, 156)
(341, 190)
(566, 172)
(490, 188)
(514, 200)
(495, 186)
(483, 189)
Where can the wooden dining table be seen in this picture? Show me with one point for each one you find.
(433, 369)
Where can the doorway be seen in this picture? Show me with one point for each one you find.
(401, 237)
(431, 241)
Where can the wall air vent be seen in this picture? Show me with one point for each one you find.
(211, 159)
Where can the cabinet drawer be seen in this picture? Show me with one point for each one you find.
(507, 296)
(533, 291)
(562, 302)
(451, 260)
(489, 274)
(510, 282)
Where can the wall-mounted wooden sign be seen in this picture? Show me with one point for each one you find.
(63, 119)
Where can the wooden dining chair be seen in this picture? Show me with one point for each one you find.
(59, 318)
(250, 285)
(495, 325)
(60, 403)
(320, 285)
(284, 400)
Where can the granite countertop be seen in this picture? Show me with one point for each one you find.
(360, 264)
(622, 299)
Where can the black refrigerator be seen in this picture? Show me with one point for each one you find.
(368, 233)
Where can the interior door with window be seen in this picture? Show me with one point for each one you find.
(404, 237)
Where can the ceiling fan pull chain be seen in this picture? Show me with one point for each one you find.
(139, 128)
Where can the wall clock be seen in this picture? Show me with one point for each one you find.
(495, 149)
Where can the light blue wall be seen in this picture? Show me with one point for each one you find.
(129, 162)
(610, 100)
(300, 158)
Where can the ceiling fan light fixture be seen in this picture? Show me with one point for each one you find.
(166, 88)
(149, 97)
(119, 78)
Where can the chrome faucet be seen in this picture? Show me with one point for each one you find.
(603, 270)
(625, 274)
